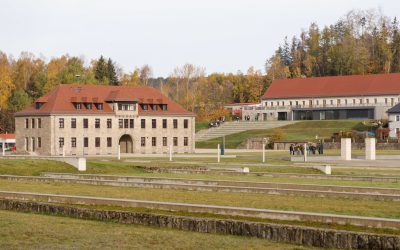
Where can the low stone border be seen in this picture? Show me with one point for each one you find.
(307, 236)
(362, 221)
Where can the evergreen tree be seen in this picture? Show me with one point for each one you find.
(100, 70)
(111, 74)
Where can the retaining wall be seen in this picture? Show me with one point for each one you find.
(286, 233)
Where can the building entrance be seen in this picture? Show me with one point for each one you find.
(126, 144)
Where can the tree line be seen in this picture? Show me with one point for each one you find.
(361, 42)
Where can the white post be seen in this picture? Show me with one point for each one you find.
(263, 151)
(305, 152)
(4, 148)
(218, 153)
(170, 153)
(119, 152)
(63, 151)
(345, 150)
(370, 153)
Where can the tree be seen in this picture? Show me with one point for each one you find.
(100, 70)
(145, 73)
(19, 100)
(6, 83)
(111, 73)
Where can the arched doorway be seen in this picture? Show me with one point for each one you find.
(126, 144)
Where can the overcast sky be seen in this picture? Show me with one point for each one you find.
(220, 35)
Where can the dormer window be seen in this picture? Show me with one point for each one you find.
(145, 107)
(154, 107)
(164, 107)
(126, 107)
(38, 105)
(99, 106)
(88, 106)
(78, 106)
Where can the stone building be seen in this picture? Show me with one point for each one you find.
(394, 121)
(94, 120)
(328, 98)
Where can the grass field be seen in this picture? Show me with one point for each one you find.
(373, 208)
(305, 130)
(201, 125)
(33, 231)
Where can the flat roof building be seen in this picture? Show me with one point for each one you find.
(96, 119)
(329, 98)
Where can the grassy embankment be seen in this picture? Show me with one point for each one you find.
(33, 231)
(304, 130)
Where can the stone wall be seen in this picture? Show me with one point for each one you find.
(253, 143)
(286, 233)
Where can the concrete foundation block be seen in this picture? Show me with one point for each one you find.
(370, 152)
(345, 150)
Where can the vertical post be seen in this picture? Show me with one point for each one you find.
(305, 152)
(170, 152)
(119, 152)
(218, 153)
(4, 148)
(345, 150)
(63, 151)
(370, 152)
(263, 151)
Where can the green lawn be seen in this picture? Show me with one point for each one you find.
(304, 130)
(34, 231)
(201, 125)
(335, 205)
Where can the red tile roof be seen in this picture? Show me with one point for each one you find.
(358, 85)
(7, 136)
(61, 100)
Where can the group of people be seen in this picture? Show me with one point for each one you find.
(217, 123)
(310, 148)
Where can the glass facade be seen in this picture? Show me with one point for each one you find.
(334, 114)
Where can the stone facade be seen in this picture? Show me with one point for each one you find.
(394, 125)
(47, 140)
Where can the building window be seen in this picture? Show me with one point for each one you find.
(361, 101)
(145, 107)
(73, 123)
(78, 106)
(376, 100)
(164, 141)
(272, 104)
(345, 101)
(131, 123)
(317, 102)
(97, 142)
(61, 142)
(277, 103)
(33, 144)
(153, 123)
(109, 142)
(26, 123)
(88, 106)
(164, 123)
(33, 122)
(153, 141)
(99, 106)
(354, 101)
(61, 123)
(143, 123)
(304, 103)
(290, 103)
(85, 123)
(386, 101)
(185, 141)
(297, 103)
(367, 100)
(331, 102)
(397, 118)
(126, 123)
(392, 101)
(283, 103)
(338, 102)
(26, 144)
(86, 142)
(39, 123)
(154, 107)
(97, 123)
(186, 123)
(109, 123)
(73, 142)
(39, 142)
(164, 107)
(121, 123)
(126, 107)
(143, 141)
(175, 121)
(175, 141)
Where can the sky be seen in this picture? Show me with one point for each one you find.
(220, 35)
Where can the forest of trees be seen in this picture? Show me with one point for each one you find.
(361, 42)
